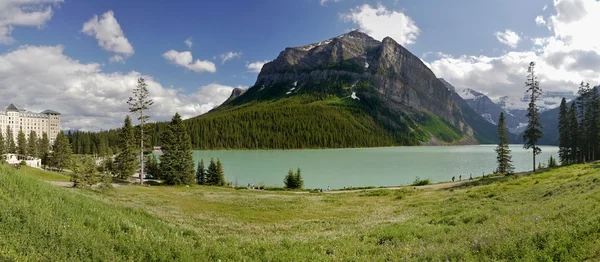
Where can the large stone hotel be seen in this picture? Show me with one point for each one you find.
(47, 121)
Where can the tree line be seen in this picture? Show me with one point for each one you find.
(35, 146)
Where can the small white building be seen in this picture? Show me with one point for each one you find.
(15, 159)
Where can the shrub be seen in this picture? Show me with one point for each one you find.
(294, 180)
(378, 192)
(419, 182)
(552, 162)
(23, 163)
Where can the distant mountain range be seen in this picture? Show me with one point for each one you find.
(347, 91)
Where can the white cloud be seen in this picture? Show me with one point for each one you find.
(545, 7)
(508, 37)
(32, 13)
(229, 56)
(325, 1)
(188, 42)
(186, 60)
(539, 20)
(380, 22)
(569, 55)
(116, 59)
(43, 77)
(256, 66)
(109, 34)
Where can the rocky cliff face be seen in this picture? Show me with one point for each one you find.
(403, 81)
(396, 79)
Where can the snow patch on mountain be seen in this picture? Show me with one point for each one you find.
(488, 117)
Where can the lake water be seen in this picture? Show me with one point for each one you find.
(388, 166)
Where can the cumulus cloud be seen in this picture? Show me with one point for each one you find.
(188, 42)
(508, 37)
(569, 55)
(186, 60)
(116, 59)
(539, 20)
(380, 22)
(109, 34)
(32, 13)
(43, 77)
(230, 56)
(256, 66)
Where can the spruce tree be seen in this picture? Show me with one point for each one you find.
(152, 167)
(21, 143)
(290, 180)
(563, 133)
(2, 148)
(212, 173)
(593, 115)
(533, 132)
(44, 148)
(10, 141)
(177, 161)
(84, 172)
(584, 118)
(140, 104)
(61, 152)
(220, 173)
(299, 179)
(126, 160)
(32, 144)
(201, 173)
(573, 135)
(504, 158)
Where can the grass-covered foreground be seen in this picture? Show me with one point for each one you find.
(554, 215)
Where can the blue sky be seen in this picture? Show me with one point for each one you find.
(475, 44)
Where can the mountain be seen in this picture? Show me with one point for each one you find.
(485, 107)
(348, 91)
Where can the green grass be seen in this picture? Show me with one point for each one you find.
(553, 215)
(43, 174)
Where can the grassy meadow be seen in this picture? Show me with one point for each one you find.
(552, 215)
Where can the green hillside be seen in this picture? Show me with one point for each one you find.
(550, 216)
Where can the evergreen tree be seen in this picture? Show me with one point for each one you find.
(84, 171)
(563, 133)
(177, 162)
(126, 160)
(44, 149)
(290, 180)
(61, 152)
(533, 132)
(21, 143)
(10, 141)
(201, 175)
(32, 144)
(2, 148)
(583, 118)
(573, 134)
(220, 173)
(212, 173)
(504, 158)
(593, 115)
(299, 179)
(140, 103)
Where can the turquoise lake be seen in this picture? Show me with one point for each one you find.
(389, 166)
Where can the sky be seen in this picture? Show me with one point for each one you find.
(83, 58)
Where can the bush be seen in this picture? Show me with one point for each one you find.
(419, 182)
(552, 162)
(378, 192)
(23, 163)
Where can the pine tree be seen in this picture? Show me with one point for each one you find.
(61, 152)
(10, 141)
(290, 180)
(126, 160)
(140, 103)
(299, 179)
(584, 118)
(2, 148)
(201, 173)
(504, 158)
(593, 115)
(21, 143)
(212, 173)
(573, 134)
(32, 144)
(177, 161)
(563, 132)
(84, 171)
(44, 149)
(533, 132)
(220, 173)
(152, 167)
